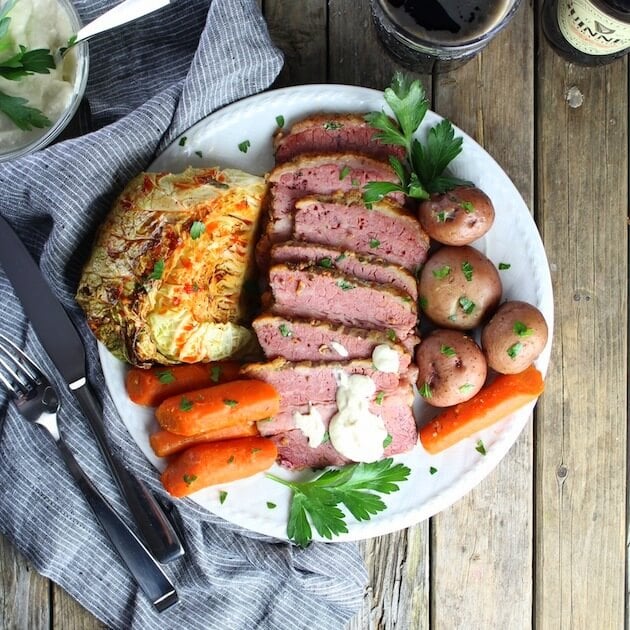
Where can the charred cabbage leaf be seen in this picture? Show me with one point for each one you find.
(165, 280)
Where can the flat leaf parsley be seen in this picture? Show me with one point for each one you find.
(316, 502)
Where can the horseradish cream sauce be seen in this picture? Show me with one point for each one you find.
(37, 24)
(354, 430)
(311, 424)
(385, 359)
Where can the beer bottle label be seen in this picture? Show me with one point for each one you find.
(590, 30)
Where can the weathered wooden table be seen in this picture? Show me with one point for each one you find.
(541, 542)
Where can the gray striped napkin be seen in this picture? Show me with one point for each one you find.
(148, 83)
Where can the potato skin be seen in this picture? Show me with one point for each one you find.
(514, 323)
(459, 287)
(451, 368)
(457, 217)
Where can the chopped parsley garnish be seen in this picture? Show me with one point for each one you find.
(344, 285)
(387, 441)
(285, 331)
(423, 301)
(197, 229)
(379, 398)
(185, 404)
(514, 350)
(522, 330)
(466, 387)
(280, 121)
(340, 257)
(503, 266)
(271, 505)
(230, 459)
(222, 496)
(432, 470)
(480, 448)
(244, 146)
(316, 502)
(326, 262)
(188, 479)
(355, 182)
(326, 437)
(374, 243)
(441, 216)
(425, 391)
(199, 154)
(331, 125)
(229, 402)
(182, 141)
(468, 306)
(344, 172)
(467, 270)
(441, 272)
(447, 351)
(215, 373)
(255, 450)
(452, 317)
(391, 335)
(158, 270)
(467, 206)
(166, 377)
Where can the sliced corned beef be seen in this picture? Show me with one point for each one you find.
(298, 339)
(328, 133)
(362, 266)
(315, 293)
(385, 229)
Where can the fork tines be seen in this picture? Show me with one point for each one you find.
(21, 376)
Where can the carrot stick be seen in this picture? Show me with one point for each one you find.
(217, 462)
(165, 443)
(150, 387)
(217, 407)
(506, 394)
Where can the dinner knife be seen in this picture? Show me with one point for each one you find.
(64, 346)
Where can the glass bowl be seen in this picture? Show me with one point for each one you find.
(76, 65)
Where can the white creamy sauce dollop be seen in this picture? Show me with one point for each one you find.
(37, 24)
(354, 430)
(339, 349)
(385, 359)
(311, 424)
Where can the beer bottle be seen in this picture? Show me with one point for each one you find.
(588, 32)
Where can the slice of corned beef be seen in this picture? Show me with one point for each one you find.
(298, 339)
(328, 133)
(295, 453)
(307, 382)
(362, 266)
(323, 174)
(315, 293)
(385, 229)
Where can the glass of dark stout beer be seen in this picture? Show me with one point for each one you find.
(439, 35)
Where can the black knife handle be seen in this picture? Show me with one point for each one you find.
(154, 527)
(142, 565)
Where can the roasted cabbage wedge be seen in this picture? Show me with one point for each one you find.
(165, 280)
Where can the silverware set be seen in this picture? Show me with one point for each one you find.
(37, 400)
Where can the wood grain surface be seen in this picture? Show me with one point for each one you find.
(541, 542)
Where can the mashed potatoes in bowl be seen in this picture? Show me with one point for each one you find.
(33, 25)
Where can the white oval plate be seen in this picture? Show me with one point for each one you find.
(513, 239)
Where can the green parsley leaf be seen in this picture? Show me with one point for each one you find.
(185, 404)
(378, 399)
(188, 479)
(391, 335)
(222, 496)
(326, 262)
(182, 141)
(442, 216)
(280, 121)
(244, 146)
(21, 115)
(503, 266)
(326, 437)
(466, 387)
(467, 206)
(230, 459)
(441, 272)
(340, 257)
(27, 62)
(425, 390)
(166, 377)
(316, 501)
(197, 229)
(344, 285)
(374, 243)
(255, 450)
(432, 470)
(467, 270)
(215, 373)
(468, 306)
(229, 402)
(332, 125)
(423, 301)
(344, 172)
(387, 441)
(480, 448)
(447, 351)
(514, 350)
(375, 191)
(199, 154)
(271, 505)
(522, 330)
(285, 331)
(158, 270)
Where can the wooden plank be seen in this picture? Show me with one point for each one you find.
(582, 202)
(481, 572)
(68, 614)
(24, 594)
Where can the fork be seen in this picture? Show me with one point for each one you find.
(36, 400)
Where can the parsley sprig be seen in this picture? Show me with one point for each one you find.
(316, 501)
(422, 171)
(21, 64)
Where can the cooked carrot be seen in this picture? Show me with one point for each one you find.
(217, 462)
(506, 394)
(150, 387)
(217, 407)
(165, 443)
